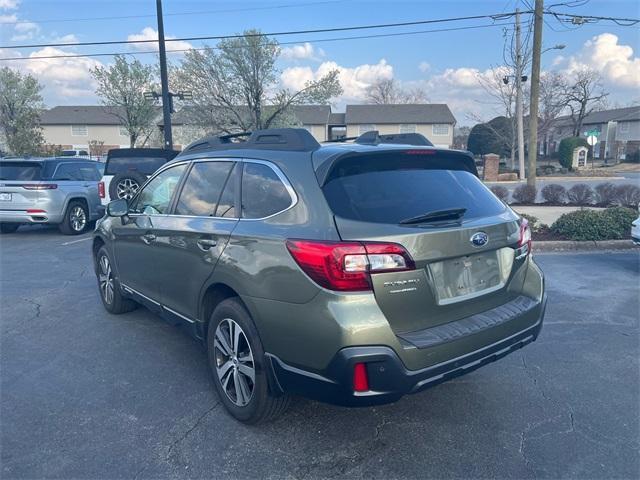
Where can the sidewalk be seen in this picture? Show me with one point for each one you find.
(548, 215)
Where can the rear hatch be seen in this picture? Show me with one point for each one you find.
(21, 183)
(429, 201)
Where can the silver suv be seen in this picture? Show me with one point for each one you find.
(61, 191)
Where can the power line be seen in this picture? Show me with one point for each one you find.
(499, 16)
(174, 14)
(320, 40)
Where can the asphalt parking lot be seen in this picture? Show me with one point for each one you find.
(88, 395)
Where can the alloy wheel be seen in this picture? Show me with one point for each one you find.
(234, 362)
(78, 218)
(105, 279)
(127, 188)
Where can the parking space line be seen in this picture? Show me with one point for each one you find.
(77, 241)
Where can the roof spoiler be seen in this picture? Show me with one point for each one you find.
(294, 139)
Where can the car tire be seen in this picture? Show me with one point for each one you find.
(109, 287)
(247, 401)
(8, 227)
(125, 185)
(76, 218)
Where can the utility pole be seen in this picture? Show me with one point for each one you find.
(519, 113)
(164, 81)
(535, 91)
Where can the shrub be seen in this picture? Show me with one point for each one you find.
(501, 192)
(566, 148)
(525, 194)
(554, 193)
(632, 157)
(610, 224)
(605, 194)
(628, 195)
(580, 194)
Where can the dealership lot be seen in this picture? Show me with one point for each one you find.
(87, 394)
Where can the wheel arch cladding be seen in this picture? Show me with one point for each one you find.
(213, 295)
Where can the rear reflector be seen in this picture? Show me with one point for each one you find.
(360, 379)
(347, 266)
(39, 186)
(101, 189)
(32, 211)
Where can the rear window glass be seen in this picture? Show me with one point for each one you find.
(20, 171)
(391, 195)
(144, 165)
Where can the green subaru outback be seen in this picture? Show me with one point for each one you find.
(351, 273)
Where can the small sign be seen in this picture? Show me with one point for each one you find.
(592, 140)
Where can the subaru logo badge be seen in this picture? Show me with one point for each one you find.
(479, 239)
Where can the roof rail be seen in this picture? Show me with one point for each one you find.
(294, 139)
(374, 138)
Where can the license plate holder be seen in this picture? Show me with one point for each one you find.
(5, 197)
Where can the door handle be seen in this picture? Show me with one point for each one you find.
(148, 238)
(205, 244)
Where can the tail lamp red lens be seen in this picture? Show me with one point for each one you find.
(32, 211)
(39, 186)
(101, 189)
(360, 378)
(347, 266)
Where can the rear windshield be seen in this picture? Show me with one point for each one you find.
(389, 195)
(144, 165)
(20, 171)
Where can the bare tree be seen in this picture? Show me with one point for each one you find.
(20, 105)
(389, 92)
(122, 86)
(552, 102)
(583, 95)
(235, 86)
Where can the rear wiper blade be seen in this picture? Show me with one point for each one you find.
(436, 215)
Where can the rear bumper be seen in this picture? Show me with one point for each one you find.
(21, 216)
(389, 379)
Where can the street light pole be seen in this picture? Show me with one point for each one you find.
(164, 81)
(519, 112)
(535, 91)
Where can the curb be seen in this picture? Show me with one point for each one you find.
(585, 246)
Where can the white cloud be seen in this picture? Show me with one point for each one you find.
(25, 31)
(148, 33)
(617, 63)
(9, 4)
(424, 66)
(354, 80)
(306, 51)
(69, 38)
(8, 18)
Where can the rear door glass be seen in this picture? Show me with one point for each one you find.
(144, 165)
(20, 171)
(263, 193)
(203, 188)
(391, 195)
(90, 173)
(68, 171)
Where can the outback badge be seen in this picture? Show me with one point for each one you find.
(479, 239)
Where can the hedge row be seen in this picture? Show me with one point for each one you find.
(604, 194)
(610, 224)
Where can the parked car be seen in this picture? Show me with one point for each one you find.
(635, 229)
(74, 153)
(126, 169)
(348, 273)
(61, 191)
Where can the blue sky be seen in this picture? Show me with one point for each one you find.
(445, 64)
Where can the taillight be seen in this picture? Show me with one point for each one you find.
(39, 186)
(525, 236)
(101, 189)
(360, 378)
(347, 266)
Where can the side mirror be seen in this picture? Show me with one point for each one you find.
(118, 208)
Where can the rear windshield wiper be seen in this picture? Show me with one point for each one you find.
(435, 216)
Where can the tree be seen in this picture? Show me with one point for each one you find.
(235, 86)
(388, 92)
(552, 102)
(122, 86)
(20, 106)
(583, 95)
(494, 136)
(461, 137)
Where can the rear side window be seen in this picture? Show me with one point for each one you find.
(144, 165)
(20, 171)
(203, 188)
(68, 171)
(263, 193)
(391, 195)
(90, 173)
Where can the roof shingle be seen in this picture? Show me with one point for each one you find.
(409, 113)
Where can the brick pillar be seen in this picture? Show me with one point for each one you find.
(491, 166)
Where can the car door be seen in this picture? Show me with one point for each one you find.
(91, 176)
(137, 255)
(192, 238)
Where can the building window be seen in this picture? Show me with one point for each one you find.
(79, 130)
(440, 129)
(623, 127)
(123, 131)
(365, 127)
(408, 128)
